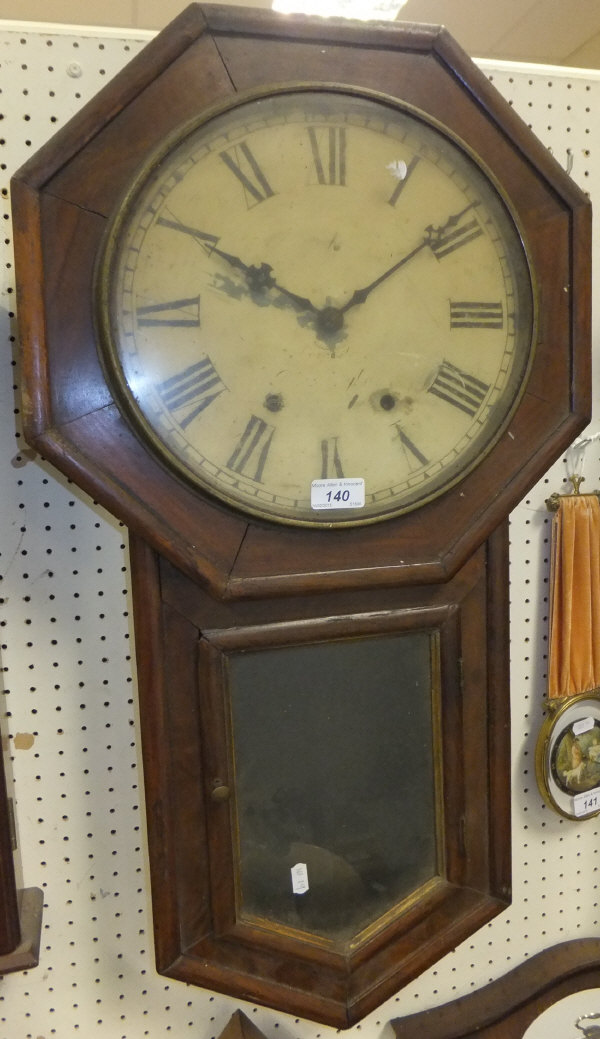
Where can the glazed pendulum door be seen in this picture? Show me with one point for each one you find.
(336, 798)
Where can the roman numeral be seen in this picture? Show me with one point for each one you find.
(328, 146)
(331, 463)
(476, 315)
(458, 388)
(195, 388)
(177, 313)
(244, 166)
(250, 454)
(406, 170)
(410, 449)
(457, 232)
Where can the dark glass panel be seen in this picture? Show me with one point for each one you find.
(334, 765)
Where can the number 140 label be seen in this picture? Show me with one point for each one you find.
(337, 494)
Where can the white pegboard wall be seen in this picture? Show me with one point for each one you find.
(70, 698)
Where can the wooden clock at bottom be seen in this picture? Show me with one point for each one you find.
(327, 781)
(20, 908)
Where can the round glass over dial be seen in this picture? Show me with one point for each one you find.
(316, 285)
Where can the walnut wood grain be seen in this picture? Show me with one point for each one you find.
(10, 930)
(62, 199)
(182, 634)
(505, 1008)
(240, 1027)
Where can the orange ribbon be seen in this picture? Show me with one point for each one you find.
(574, 665)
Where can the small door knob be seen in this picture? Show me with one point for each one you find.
(220, 791)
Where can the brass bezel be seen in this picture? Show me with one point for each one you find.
(563, 713)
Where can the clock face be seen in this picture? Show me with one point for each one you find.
(317, 286)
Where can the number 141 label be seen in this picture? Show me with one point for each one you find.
(587, 803)
(337, 494)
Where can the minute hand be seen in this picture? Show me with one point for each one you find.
(432, 234)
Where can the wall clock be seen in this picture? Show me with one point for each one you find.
(235, 235)
(307, 307)
(20, 908)
(10, 931)
(506, 1008)
(566, 759)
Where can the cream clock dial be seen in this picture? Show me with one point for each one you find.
(315, 285)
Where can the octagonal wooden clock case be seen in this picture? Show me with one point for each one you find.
(307, 306)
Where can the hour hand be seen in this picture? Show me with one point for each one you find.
(259, 277)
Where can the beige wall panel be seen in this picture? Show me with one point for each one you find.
(139, 14)
(155, 14)
(476, 24)
(587, 56)
(550, 24)
(551, 31)
(73, 12)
